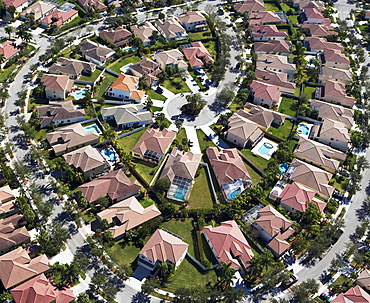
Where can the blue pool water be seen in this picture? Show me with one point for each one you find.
(303, 129)
(110, 153)
(130, 48)
(92, 128)
(233, 194)
(79, 95)
(265, 149)
(126, 67)
(180, 194)
(283, 168)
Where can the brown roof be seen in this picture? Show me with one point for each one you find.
(249, 6)
(259, 18)
(10, 234)
(260, 31)
(192, 17)
(69, 137)
(182, 164)
(279, 46)
(171, 57)
(59, 17)
(319, 30)
(364, 279)
(114, 185)
(319, 153)
(97, 4)
(335, 55)
(60, 83)
(242, 127)
(337, 74)
(86, 158)
(163, 247)
(353, 295)
(314, 13)
(334, 112)
(144, 31)
(16, 266)
(271, 221)
(260, 115)
(229, 243)
(71, 66)
(155, 140)
(119, 35)
(128, 213)
(322, 44)
(6, 194)
(274, 62)
(265, 91)
(335, 129)
(147, 68)
(38, 9)
(310, 176)
(170, 27)
(95, 50)
(57, 111)
(227, 165)
(338, 90)
(41, 290)
(275, 78)
(308, 3)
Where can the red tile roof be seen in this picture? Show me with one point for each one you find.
(9, 49)
(267, 31)
(59, 17)
(265, 91)
(353, 295)
(249, 6)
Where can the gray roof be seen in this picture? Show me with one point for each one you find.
(129, 113)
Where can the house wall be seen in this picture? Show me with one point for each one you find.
(55, 95)
(335, 143)
(313, 21)
(260, 101)
(138, 123)
(236, 139)
(144, 264)
(67, 121)
(91, 142)
(337, 65)
(288, 208)
(191, 26)
(93, 172)
(118, 94)
(263, 234)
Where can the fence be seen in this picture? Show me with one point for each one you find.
(84, 82)
(308, 119)
(200, 264)
(210, 181)
(250, 163)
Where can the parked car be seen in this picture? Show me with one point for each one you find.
(159, 90)
(325, 297)
(294, 278)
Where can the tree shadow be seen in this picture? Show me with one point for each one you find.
(20, 142)
(216, 107)
(140, 297)
(363, 212)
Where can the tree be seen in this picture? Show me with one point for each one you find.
(83, 298)
(149, 285)
(103, 201)
(9, 30)
(225, 276)
(148, 104)
(70, 273)
(225, 96)
(362, 163)
(109, 134)
(195, 104)
(9, 148)
(302, 291)
(22, 170)
(335, 265)
(6, 297)
(162, 185)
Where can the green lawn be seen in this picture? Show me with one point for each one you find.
(292, 144)
(128, 142)
(258, 160)
(195, 77)
(123, 253)
(181, 134)
(201, 196)
(204, 141)
(93, 76)
(342, 280)
(271, 7)
(198, 36)
(211, 47)
(146, 170)
(288, 106)
(108, 79)
(146, 202)
(282, 131)
(153, 95)
(293, 19)
(308, 91)
(255, 177)
(116, 65)
(156, 108)
(176, 85)
(187, 275)
(285, 7)
(6, 72)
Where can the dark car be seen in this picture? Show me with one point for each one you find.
(159, 90)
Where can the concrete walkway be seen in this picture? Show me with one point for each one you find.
(214, 137)
(191, 133)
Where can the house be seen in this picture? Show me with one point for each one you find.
(319, 154)
(60, 113)
(13, 232)
(16, 266)
(144, 32)
(153, 144)
(312, 15)
(265, 93)
(336, 74)
(302, 4)
(180, 170)
(145, 68)
(39, 9)
(274, 229)
(115, 185)
(72, 68)
(363, 280)
(267, 32)
(66, 139)
(116, 37)
(262, 116)
(284, 81)
(230, 171)
(57, 87)
(273, 46)
(126, 87)
(275, 63)
(310, 176)
(228, 244)
(173, 58)
(354, 295)
(88, 160)
(41, 289)
(197, 54)
(367, 16)
(7, 206)
(332, 133)
(127, 215)
(243, 132)
(250, 6)
(335, 58)
(59, 17)
(193, 21)
(95, 52)
(296, 197)
(315, 44)
(266, 17)
(18, 4)
(336, 92)
(162, 246)
(128, 115)
(333, 112)
(318, 30)
(9, 49)
(98, 5)
(171, 29)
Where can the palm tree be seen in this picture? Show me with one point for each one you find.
(70, 273)
(2, 59)
(9, 148)
(109, 134)
(226, 275)
(39, 91)
(9, 30)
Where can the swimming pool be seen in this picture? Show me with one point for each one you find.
(303, 129)
(110, 153)
(79, 95)
(265, 148)
(283, 168)
(124, 69)
(92, 128)
(233, 194)
(180, 193)
(130, 48)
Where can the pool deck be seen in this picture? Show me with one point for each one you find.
(259, 144)
(309, 130)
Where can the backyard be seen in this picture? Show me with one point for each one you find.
(123, 253)
(92, 77)
(257, 160)
(198, 36)
(201, 197)
(288, 106)
(116, 65)
(128, 142)
(146, 170)
(271, 7)
(308, 91)
(108, 79)
(154, 95)
(282, 131)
